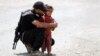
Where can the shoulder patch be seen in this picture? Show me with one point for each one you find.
(27, 12)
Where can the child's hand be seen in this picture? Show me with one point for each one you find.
(52, 28)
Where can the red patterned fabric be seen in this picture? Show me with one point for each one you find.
(47, 39)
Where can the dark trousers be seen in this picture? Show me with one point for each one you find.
(34, 38)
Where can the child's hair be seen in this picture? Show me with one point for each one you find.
(49, 7)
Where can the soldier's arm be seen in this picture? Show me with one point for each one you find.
(44, 25)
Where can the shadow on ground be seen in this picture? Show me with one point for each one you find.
(27, 54)
(23, 54)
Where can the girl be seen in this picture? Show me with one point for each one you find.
(48, 37)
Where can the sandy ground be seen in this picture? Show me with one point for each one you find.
(76, 35)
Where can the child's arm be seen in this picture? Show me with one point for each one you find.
(53, 21)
